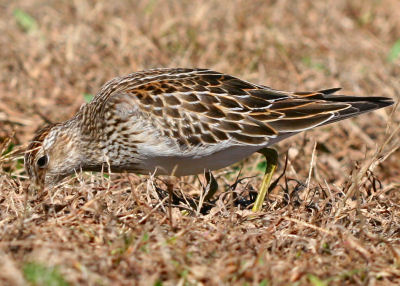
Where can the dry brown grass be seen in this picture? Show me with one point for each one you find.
(342, 228)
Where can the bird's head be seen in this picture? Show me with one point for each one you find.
(52, 155)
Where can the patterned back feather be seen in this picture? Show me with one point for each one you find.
(201, 106)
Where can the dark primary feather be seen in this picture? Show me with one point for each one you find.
(200, 106)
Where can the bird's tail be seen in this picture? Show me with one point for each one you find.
(358, 104)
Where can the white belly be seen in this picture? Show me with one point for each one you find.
(178, 163)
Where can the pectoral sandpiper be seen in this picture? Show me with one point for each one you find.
(182, 122)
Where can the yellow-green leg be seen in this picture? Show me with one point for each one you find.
(271, 157)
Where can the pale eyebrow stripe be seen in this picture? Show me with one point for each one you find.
(34, 149)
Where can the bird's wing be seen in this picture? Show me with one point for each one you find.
(200, 106)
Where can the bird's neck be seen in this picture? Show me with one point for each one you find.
(103, 148)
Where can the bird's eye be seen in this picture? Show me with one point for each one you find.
(42, 161)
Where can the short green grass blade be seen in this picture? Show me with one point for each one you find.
(25, 21)
(38, 274)
(394, 51)
(88, 97)
(315, 281)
